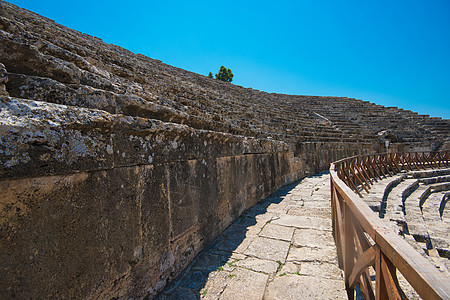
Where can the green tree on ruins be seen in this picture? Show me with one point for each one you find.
(210, 75)
(225, 74)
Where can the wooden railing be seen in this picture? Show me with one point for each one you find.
(365, 244)
(360, 172)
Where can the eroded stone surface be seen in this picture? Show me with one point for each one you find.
(277, 232)
(313, 238)
(321, 269)
(258, 265)
(3, 80)
(238, 284)
(265, 248)
(293, 286)
(299, 254)
(304, 222)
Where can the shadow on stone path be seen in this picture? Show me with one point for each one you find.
(282, 248)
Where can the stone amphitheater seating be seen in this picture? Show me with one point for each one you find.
(80, 70)
(415, 205)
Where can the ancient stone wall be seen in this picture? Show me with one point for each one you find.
(102, 205)
(94, 203)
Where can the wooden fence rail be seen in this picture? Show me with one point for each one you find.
(365, 244)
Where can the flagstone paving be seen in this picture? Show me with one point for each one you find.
(282, 248)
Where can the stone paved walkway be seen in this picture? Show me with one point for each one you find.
(282, 248)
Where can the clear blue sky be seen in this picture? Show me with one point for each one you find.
(393, 53)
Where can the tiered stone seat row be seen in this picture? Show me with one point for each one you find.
(80, 70)
(415, 205)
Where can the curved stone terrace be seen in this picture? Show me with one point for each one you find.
(414, 204)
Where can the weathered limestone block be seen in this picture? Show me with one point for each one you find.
(49, 90)
(23, 58)
(316, 156)
(3, 80)
(233, 188)
(38, 138)
(68, 236)
(52, 91)
(192, 193)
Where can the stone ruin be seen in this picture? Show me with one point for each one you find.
(117, 169)
(413, 204)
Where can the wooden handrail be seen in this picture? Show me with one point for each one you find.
(363, 240)
(350, 169)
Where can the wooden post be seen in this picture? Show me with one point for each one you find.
(349, 250)
(338, 231)
(380, 285)
(419, 160)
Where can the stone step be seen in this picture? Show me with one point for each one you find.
(413, 204)
(86, 60)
